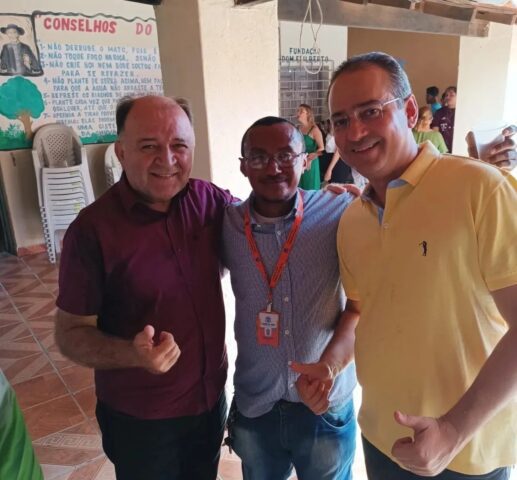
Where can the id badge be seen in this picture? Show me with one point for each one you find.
(268, 327)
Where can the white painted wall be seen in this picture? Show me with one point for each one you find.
(240, 67)
(487, 82)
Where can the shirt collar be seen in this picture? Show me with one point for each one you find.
(292, 213)
(427, 154)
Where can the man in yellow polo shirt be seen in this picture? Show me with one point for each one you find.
(430, 253)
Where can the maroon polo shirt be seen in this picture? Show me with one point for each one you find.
(132, 266)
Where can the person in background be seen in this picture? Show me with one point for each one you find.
(314, 147)
(333, 168)
(431, 98)
(443, 119)
(429, 253)
(423, 130)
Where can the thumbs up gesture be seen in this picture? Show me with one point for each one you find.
(434, 444)
(156, 356)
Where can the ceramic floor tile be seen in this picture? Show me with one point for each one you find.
(100, 469)
(20, 369)
(77, 378)
(56, 472)
(23, 283)
(13, 330)
(33, 305)
(87, 401)
(19, 348)
(39, 389)
(52, 417)
(70, 447)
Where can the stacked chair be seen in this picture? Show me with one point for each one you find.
(63, 180)
(112, 166)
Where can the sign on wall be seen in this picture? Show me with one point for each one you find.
(71, 68)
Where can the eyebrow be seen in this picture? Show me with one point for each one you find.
(153, 139)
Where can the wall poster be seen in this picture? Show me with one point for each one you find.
(71, 68)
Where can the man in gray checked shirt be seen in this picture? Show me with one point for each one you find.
(294, 374)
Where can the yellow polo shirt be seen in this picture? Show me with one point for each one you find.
(422, 272)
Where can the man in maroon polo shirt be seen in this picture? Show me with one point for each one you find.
(140, 301)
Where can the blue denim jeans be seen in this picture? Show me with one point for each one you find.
(320, 447)
(381, 467)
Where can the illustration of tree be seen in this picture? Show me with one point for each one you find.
(21, 100)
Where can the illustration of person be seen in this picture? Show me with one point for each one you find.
(17, 57)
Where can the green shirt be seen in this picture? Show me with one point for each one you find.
(17, 460)
(434, 137)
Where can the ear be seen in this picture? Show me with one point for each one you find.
(119, 150)
(244, 170)
(411, 111)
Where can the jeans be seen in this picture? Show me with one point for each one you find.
(381, 467)
(320, 447)
(166, 449)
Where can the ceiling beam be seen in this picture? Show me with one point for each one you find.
(249, 3)
(381, 16)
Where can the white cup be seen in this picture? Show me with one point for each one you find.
(484, 139)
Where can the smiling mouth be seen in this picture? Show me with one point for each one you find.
(365, 147)
(164, 175)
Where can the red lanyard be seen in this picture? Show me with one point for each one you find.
(284, 255)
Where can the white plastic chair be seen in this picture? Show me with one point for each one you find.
(112, 166)
(62, 178)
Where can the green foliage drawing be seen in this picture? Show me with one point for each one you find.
(21, 100)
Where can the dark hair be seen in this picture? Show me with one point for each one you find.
(452, 88)
(267, 122)
(125, 104)
(400, 87)
(432, 91)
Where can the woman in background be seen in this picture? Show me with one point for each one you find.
(313, 146)
(423, 130)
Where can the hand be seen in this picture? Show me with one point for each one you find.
(504, 154)
(436, 442)
(339, 188)
(156, 357)
(314, 385)
(27, 61)
(327, 176)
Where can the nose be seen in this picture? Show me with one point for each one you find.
(356, 130)
(167, 157)
(272, 167)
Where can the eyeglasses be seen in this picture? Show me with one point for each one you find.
(365, 114)
(259, 161)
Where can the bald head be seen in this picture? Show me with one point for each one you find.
(126, 104)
